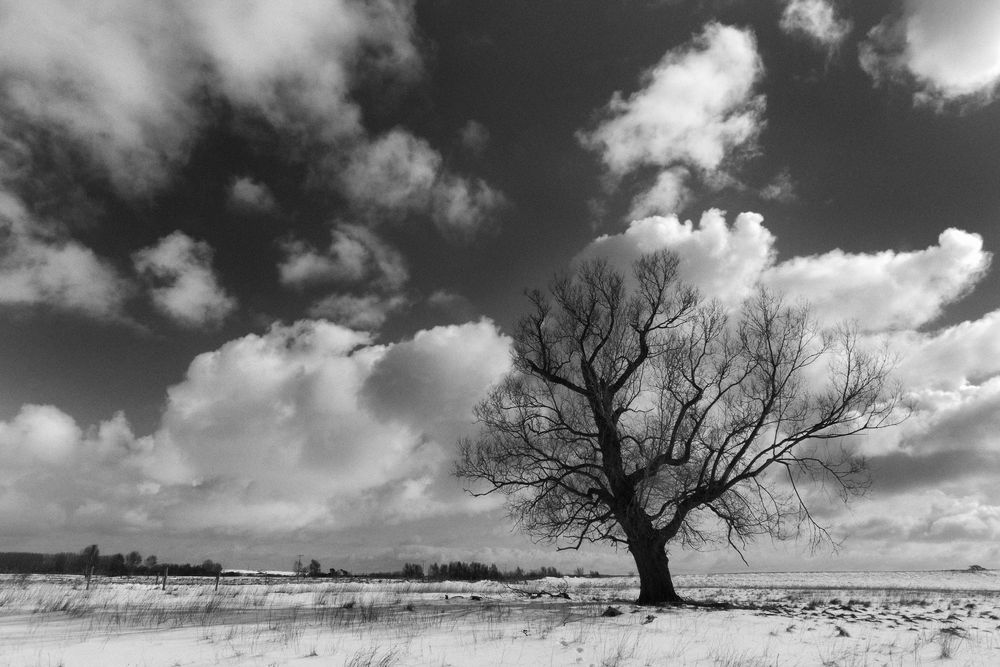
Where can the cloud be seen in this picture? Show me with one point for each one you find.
(356, 257)
(40, 432)
(817, 21)
(40, 266)
(463, 208)
(90, 74)
(355, 254)
(124, 81)
(956, 530)
(696, 106)
(888, 289)
(952, 381)
(454, 306)
(400, 174)
(952, 358)
(295, 64)
(127, 86)
(946, 51)
(61, 476)
(474, 136)
(290, 417)
(668, 193)
(367, 312)
(299, 428)
(723, 261)
(248, 196)
(396, 172)
(426, 383)
(128, 92)
(883, 290)
(781, 189)
(183, 285)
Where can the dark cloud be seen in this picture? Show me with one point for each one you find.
(951, 468)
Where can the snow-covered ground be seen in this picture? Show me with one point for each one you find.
(858, 618)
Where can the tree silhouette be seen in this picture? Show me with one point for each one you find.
(132, 561)
(641, 415)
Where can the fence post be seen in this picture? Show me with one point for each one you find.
(165, 571)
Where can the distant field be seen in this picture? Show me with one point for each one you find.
(832, 618)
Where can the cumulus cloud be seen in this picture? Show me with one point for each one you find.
(696, 106)
(883, 290)
(396, 172)
(817, 21)
(781, 189)
(422, 381)
(125, 88)
(90, 74)
(463, 208)
(953, 357)
(297, 428)
(934, 476)
(888, 289)
(947, 51)
(400, 174)
(40, 432)
(123, 81)
(367, 312)
(184, 286)
(59, 475)
(41, 266)
(723, 261)
(295, 65)
(248, 196)
(355, 254)
(952, 379)
(668, 193)
(356, 257)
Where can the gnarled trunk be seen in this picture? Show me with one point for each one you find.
(655, 584)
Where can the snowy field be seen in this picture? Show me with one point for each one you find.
(863, 618)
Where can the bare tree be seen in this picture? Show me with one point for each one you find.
(89, 556)
(298, 568)
(640, 415)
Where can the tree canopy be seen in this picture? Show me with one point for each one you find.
(641, 414)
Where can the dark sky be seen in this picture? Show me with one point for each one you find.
(261, 258)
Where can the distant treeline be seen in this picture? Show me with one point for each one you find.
(90, 560)
(474, 571)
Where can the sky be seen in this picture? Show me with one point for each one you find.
(259, 260)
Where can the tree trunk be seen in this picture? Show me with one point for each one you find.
(655, 585)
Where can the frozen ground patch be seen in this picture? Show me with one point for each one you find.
(771, 619)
